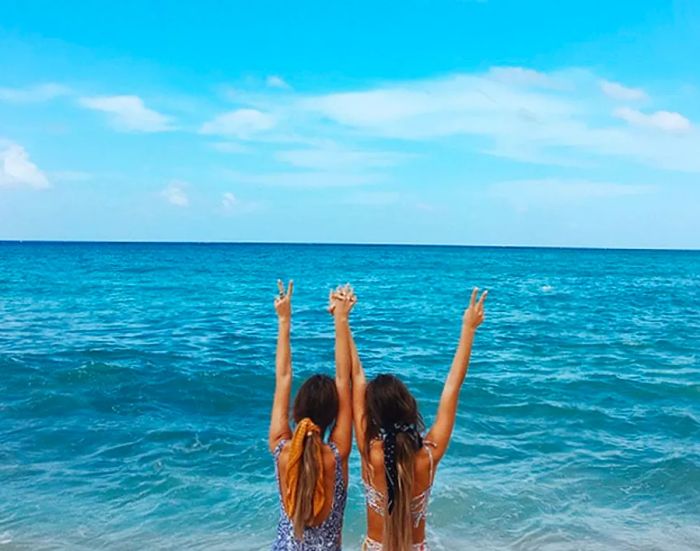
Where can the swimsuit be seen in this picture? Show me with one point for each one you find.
(327, 535)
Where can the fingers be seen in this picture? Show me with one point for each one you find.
(335, 295)
(482, 299)
(331, 305)
(288, 292)
(472, 300)
(342, 294)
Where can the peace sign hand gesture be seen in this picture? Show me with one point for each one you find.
(283, 302)
(474, 314)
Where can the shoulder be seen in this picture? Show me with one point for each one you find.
(329, 455)
(376, 453)
(423, 459)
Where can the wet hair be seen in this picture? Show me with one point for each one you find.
(389, 405)
(316, 399)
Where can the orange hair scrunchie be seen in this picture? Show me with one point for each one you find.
(305, 428)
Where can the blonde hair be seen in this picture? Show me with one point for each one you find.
(309, 473)
(398, 524)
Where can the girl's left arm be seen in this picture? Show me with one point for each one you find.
(340, 307)
(441, 432)
(359, 386)
(279, 420)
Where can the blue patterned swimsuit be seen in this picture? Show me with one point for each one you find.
(327, 535)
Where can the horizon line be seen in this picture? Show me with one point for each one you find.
(343, 244)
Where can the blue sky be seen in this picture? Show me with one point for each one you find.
(464, 122)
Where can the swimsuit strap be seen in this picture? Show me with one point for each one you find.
(374, 498)
(427, 445)
(338, 465)
(276, 454)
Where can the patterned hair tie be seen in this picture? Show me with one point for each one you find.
(388, 435)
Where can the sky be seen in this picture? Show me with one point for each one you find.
(493, 122)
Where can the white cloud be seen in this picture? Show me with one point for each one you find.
(523, 194)
(335, 158)
(563, 125)
(175, 194)
(16, 169)
(460, 104)
(274, 81)
(523, 77)
(33, 94)
(617, 91)
(232, 204)
(229, 201)
(128, 113)
(310, 179)
(241, 123)
(660, 120)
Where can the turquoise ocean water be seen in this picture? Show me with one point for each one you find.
(136, 380)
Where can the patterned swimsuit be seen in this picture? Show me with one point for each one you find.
(327, 535)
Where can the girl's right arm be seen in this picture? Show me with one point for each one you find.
(441, 432)
(279, 419)
(359, 385)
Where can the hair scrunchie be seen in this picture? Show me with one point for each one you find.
(388, 435)
(306, 427)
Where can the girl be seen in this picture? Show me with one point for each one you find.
(311, 473)
(398, 465)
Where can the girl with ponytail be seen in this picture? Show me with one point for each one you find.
(398, 465)
(311, 473)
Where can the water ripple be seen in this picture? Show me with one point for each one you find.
(136, 386)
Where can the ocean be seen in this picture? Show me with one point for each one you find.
(136, 383)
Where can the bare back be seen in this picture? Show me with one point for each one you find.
(374, 475)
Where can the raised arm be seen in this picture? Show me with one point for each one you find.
(279, 420)
(359, 385)
(441, 432)
(340, 306)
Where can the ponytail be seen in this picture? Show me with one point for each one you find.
(305, 496)
(398, 524)
(306, 485)
(401, 442)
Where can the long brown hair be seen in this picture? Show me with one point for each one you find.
(317, 399)
(389, 404)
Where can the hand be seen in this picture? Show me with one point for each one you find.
(341, 301)
(283, 302)
(474, 314)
